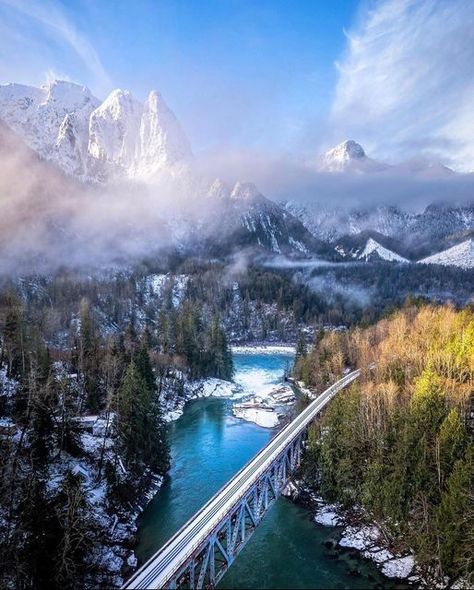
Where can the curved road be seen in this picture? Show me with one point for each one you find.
(158, 570)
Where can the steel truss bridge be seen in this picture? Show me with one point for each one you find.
(200, 553)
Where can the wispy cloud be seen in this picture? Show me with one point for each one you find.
(406, 85)
(51, 18)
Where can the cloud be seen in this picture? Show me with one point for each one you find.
(406, 85)
(333, 289)
(285, 178)
(48, 220)
(51, 18)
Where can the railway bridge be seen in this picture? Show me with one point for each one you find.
(200, 553)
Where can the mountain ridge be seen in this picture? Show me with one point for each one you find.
(121, 139)
(91, 139)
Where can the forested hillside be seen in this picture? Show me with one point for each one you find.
(82, 436)
(400, 442)
(90, 366)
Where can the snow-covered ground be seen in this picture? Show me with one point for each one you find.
(258, 391)
(264, 349)
(327, 515)
(158, 284)
(374, 248)
(173, 406)
(369, 540)
(266, 417)
(461, 255)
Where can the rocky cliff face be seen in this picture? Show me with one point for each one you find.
(94, 140)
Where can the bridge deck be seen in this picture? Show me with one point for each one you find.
(159, 569)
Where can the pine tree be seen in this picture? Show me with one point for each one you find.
(75, 525)
(141, 430)
(219, 355)
(301, 349)
(144, 367)
(14, 339)
(452, 440)
(455, 519)
(89, 356)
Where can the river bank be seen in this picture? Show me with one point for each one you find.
(358, 533)
(262, 399)
(371, 540)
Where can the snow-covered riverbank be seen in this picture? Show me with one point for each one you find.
(265, 417)
(173, 405)
(260, 370)
(367, 538)
(264, 349)
(258, 390)
(267, 411)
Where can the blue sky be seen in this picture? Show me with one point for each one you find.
(254, 65)
(286, 77)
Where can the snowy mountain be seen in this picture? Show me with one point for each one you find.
(330, 223)
(461, 255)
(348, 156)
(93, 140)
(420, 233)
(53, 120)
(232, 218)
(373, 251)
(121, 139)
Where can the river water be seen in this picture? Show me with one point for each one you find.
(208, 445)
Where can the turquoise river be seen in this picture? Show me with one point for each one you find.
(208, 445)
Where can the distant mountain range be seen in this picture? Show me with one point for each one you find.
(121, 139)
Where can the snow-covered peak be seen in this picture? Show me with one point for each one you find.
(373, 250)
(347, 150)
(19, 95)
(113, 130)
(461, 255)
(244, 190)
(162, 140)
(67, 96)
(345, 156)
(348, 156)
(95, 140)
(219, 190)
(118, 103)
(52, 120)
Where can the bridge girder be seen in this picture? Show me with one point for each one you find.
(205, 567)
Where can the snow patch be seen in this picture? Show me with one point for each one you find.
(327, 516)
(264, 349)
(372, 247)
(400, 567)
(359, 538)
(265, 417)
(461, 255)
